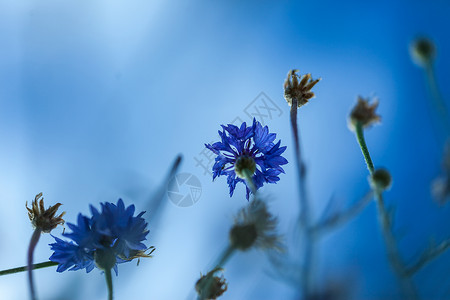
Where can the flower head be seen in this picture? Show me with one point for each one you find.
(363, 113)
(299, 87)
(247, 150)
(44, 219)
(107, 238)
(211, 286)
(422, 51)
(254, 226)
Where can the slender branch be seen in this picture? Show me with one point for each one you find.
(25, 268)
(33, 242)
(427, 256)
(342, 217)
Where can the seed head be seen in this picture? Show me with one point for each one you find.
(210, 286)
(363, 113)
(299, 87)
(44, 219)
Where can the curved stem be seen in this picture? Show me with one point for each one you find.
(108, 278)
(362, 144)
(393, 253)
(25, 268)
(33, 242)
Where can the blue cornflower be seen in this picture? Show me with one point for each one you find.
(247, 151)
(107, 238)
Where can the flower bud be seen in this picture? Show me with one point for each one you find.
(422, 51)
(380, 180)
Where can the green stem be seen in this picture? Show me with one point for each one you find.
(438, 102)
(249, 179)
(393, 252)
(108, 278)
(33, 242)
(25, 268)
(362, 144)
(223, 259)
(225, 256)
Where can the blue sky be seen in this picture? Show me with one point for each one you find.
(97, 99)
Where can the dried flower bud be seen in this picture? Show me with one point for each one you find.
(210, 286)
(422, 51)
(380, 180)
(298, 87)
(44, 219)
(363, 113)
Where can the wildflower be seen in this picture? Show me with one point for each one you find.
(300, 90)
(103, 240)
(210, 286)
(41, 218)
(245, 152)
(422, 52)
(363, 113)
(254, 226)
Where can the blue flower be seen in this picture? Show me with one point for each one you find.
(114, 232)
(251, 148)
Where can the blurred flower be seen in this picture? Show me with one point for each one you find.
(44, 219)
(301, 90)
(254, 226)
(380, 180)
(247, 150)
(422, 51)
(363, 113)
(210, 286)
(103, 240)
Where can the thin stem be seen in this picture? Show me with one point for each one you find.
(25, 268)
(428, 256)
(342, 217)
(393, 252)
(362, 144)
(304, 215)
(108, 278)
(223, 259)
(437, 100)
(225, 256)
(395, 259)
(249, 179)
(33, 242)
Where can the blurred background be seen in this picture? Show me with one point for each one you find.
(98, 97)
